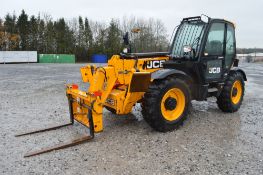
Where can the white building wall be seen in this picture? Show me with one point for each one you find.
(18, 56)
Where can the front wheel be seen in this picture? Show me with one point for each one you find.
(166, 103)
(231, 97)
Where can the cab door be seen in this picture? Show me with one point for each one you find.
(230, 52)
(212, 57)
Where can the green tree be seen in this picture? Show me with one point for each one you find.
(10, 36)
(49, 35)
(113, 39)
(100, 43)
(42, 45)
(80, 32)
(88, 35)
(65, 42)
(70, 41)
(2, 35)
(60, 30)
(33, 33)
(1, 25)
(80, 49)
(88, 39)
(22, 26)
(10, 24)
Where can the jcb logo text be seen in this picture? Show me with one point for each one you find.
(155, 64)
(214, 70)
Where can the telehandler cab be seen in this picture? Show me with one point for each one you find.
(201, 63)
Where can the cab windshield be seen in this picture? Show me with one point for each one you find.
(189, 33)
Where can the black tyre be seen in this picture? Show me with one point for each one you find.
(231, 97)
(166, 104)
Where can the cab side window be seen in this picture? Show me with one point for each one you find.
(215, 40)
(230, 46)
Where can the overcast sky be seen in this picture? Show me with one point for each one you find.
(246, 14)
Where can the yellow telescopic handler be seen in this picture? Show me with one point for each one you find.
(201, 63)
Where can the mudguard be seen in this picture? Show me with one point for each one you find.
(241, 71)
(163, 73)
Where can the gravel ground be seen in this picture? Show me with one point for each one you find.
(210, 142)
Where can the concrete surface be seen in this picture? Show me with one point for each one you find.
(210, 142)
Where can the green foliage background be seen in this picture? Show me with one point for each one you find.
(79, 36)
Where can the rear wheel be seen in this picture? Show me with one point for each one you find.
(232, 94)
(166, 103)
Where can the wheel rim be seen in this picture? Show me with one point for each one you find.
(174, 112)
(236, 92)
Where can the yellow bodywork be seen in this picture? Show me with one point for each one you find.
(119, 85)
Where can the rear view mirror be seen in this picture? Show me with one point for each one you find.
(189, 52)
(187, 49)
